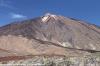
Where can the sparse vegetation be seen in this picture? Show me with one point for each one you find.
(58, 61)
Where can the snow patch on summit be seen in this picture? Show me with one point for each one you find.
(48, 16)
(45, 18)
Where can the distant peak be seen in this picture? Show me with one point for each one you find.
(47, 16)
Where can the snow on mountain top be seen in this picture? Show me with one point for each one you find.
(47, 16)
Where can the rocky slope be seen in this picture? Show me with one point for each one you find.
(49, 35)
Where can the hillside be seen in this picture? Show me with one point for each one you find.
(48, 35)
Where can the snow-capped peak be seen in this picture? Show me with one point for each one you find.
(50, 15)
(47, 16)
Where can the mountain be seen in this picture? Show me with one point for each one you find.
(48, 35)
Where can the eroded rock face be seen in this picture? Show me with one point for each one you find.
(49, 35)
(18, 45)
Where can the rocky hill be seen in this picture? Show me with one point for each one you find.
(49, 35)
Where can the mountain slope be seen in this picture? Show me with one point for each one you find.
(50, 35)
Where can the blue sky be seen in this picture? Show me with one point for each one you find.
(14, 10)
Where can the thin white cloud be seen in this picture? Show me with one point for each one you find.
(17, 16)
(6, 4)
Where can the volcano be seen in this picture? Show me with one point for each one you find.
(48, 35)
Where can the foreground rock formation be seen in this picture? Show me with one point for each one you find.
(49, 37)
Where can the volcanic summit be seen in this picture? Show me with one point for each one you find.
(50, 35)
